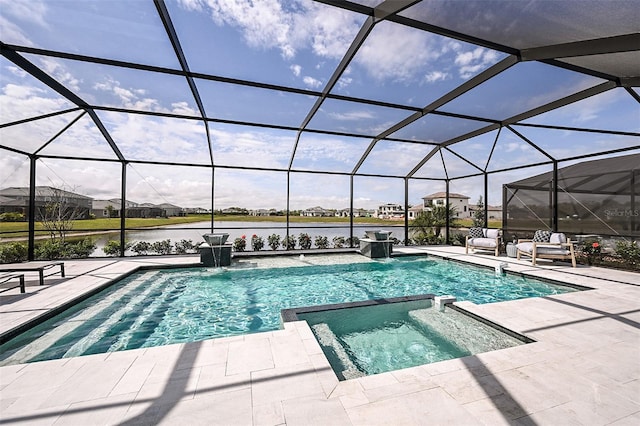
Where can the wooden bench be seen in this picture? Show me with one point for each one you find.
(7, 278)
(40, 267)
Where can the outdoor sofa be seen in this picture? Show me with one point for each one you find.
(547, 245)
(483, 239)
(40, 267)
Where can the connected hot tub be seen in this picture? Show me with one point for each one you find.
(376, 336)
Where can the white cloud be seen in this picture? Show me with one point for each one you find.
(296, 69)
(470, 62)
(312, 82)
(352, 115)
(284, 25)
(58, 71)
(33, 11)
(434, 76)
(397, 52)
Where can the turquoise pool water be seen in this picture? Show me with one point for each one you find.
(365, 340)
(159, 307)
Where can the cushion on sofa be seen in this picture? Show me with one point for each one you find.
(493, 233)
(541, 249)
(558, 238)
(476, 233)
(483, 242)
(542, 236)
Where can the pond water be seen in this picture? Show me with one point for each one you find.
(194, 231)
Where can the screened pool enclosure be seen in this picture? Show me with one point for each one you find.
(283, 106)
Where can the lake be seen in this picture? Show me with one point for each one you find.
(194, 231)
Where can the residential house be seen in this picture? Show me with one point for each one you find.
(459, 201)
(16, 200)
(356, 213)
(317, 212)
(390, 211)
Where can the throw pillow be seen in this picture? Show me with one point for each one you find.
(475, 233)
(542, 236)
(558, 238)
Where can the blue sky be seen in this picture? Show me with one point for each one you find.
(289, 43)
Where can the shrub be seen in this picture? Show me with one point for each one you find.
(186, 246)
(321, 242)
(338, 242)
(11, 217)
(49, 250)
(13, 252)
(112, 248)
(80, 249)
(458, 239)
(239, 244)
(274, 241)
(289, 242)
(353, 242)
(304, 240)
(629, 252)
(162, 247)
(257, 243)
(141, 248)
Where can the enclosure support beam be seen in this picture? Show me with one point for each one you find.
(351, 209)
(123, 208)
(554, 199)
(32, 208)
(486, 200)
(406, 211)
(447, 221)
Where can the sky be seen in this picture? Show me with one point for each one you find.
(288, 43)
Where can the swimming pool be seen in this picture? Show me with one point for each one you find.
(385, 335)
(158, 307)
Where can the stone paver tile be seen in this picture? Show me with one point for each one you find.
(631, 420)
(105, 411)
(412, 374)
(497, 410)
(133, 378)
(232, 408)
(249, 356)
(395, 390)
(304, 330)
(93, 380)
(35, 417)
(212, 379)
(268, 414)
(377, 380)
(533, 394)
(171, 390)
(288, 350)
(432, 406)
(280, 384)
(310, 411)
(465, 386)
(225, 409)
(354, 399)
(312, 347)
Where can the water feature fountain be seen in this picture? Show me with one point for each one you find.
(215, 251)
(377, 244)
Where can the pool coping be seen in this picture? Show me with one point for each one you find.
(279, 377)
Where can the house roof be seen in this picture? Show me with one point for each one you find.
(437, 195)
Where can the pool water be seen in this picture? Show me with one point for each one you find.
(367, 340)
(159, 307)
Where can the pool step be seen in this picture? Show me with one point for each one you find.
(328, 339)
(41, 344)
(463, 331)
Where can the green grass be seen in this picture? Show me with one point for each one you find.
(20, 229)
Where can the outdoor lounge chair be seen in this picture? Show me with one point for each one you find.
(483, 239)
(547, 245)
(40, 267)
(7, 278)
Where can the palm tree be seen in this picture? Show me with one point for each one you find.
(430, 222)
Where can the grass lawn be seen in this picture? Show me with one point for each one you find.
(19, 229)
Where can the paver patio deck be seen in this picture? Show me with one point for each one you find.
(584, 368)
